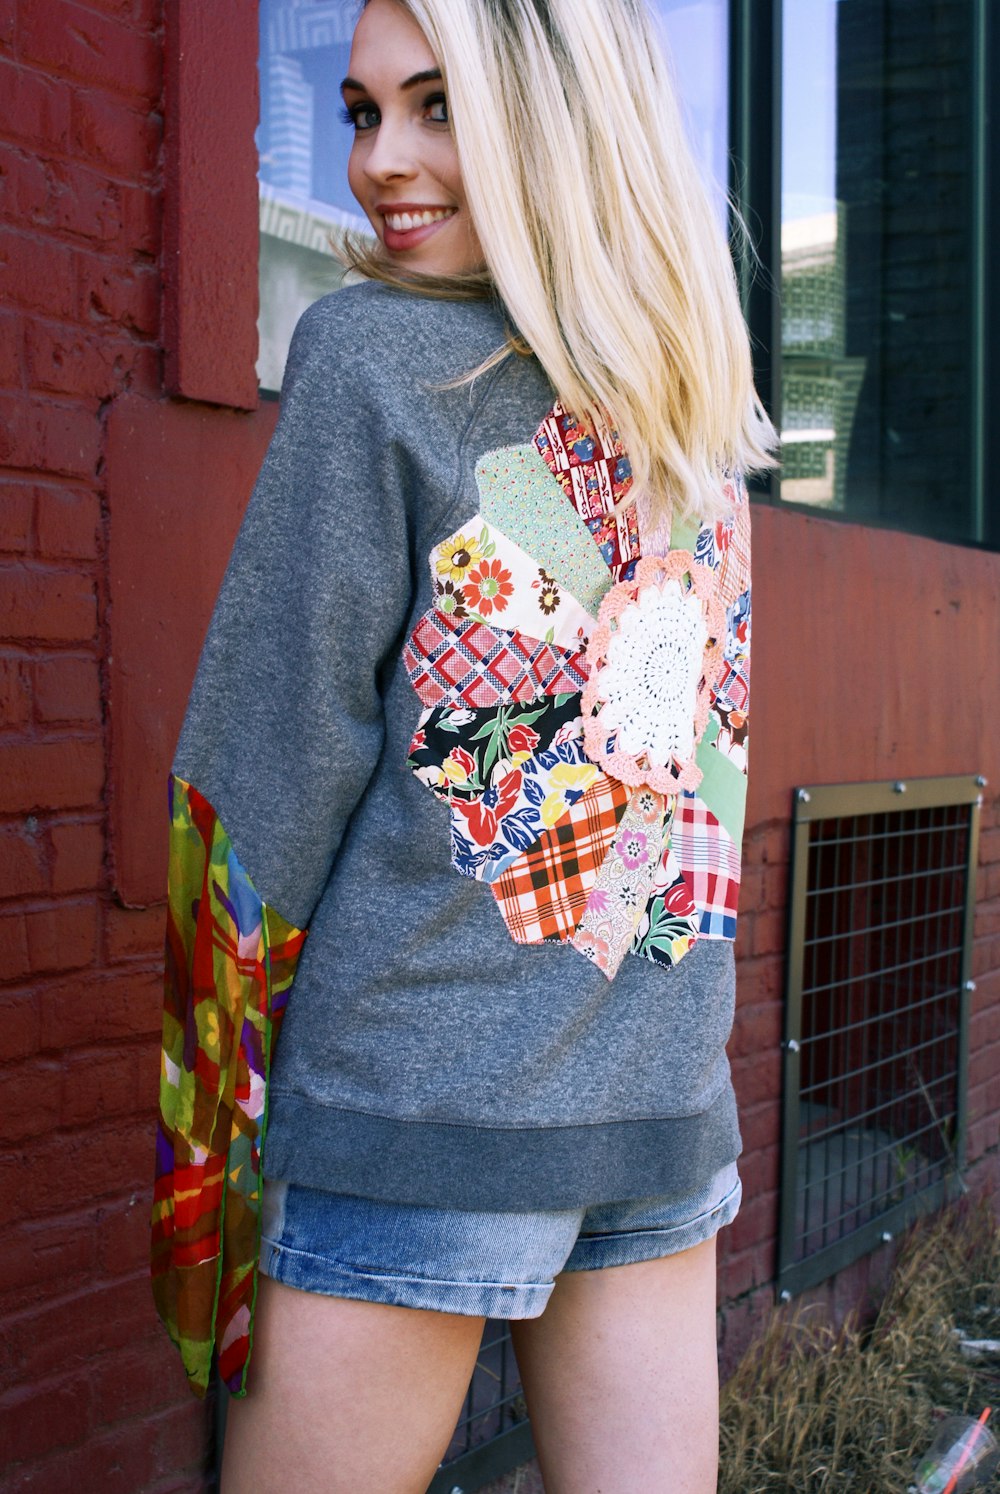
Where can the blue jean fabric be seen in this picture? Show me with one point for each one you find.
(495, 1265)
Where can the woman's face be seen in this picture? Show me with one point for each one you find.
(403, 167)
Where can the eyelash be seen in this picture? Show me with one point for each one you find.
(349, 113)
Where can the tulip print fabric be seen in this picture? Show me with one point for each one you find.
(230, 963)
(585, 705)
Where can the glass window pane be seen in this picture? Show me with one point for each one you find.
(303, 144)
(876, 261)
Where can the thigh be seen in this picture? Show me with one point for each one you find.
(620, 1375)
(347, 1397)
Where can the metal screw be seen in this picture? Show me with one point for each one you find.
(803, 796)
(981, 782)
(899, 787)
(785, 1296)
(792, 1045)
(456, 1489)
(886, 1237)
(970, 985)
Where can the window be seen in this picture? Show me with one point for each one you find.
(881, 254)
(879, 959)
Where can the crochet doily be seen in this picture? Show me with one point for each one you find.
(653, 656)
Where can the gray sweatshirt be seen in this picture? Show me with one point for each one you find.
(441, 1046)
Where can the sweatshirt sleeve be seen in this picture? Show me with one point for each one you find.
(283, 731)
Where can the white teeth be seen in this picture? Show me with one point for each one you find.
(405, 222)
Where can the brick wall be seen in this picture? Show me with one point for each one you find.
(90, 1393)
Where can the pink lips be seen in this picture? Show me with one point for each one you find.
(397, 239)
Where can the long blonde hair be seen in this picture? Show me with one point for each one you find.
(599, 234)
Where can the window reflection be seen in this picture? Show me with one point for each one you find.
(303, 145)
(876, 273)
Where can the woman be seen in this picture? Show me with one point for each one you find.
(502, 790)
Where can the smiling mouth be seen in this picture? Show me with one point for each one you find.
(407, 222)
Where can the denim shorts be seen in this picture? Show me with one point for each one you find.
(494, 1265)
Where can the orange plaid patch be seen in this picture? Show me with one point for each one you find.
(543, 894)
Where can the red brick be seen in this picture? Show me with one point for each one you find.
(70, 41)
(37, 273)
(769, 934)
(8, 15)
(181, 1436)
(68, 689)
(77, 857)
(40, 1259)
(48, 605)
(17, 508)
(45, 436)
(25, 186)
(33, 108)
(987, 918)
(11, 338)
(114, 135)
(14, 960)
(63, 937)
(124, 1005)
(22, 863)
(757, 1077)
(51, 775)
(126, 296)
(758, 981)
(29, 1100)
(74, 360)
(756, 1223)
(757, 1030)
(989, 847)
(68, 522)
(131, 932)
(95, 1086)
(744, 1270)
(70, 1170)
(760, 1173)
(15, 691)
(37, 1419)
(988, 883)
(760, 1127)
(129, 1383)
(62, 1333)
(120, 1461)
(20, 1027)
(121, 1233)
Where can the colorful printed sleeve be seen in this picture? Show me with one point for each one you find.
(230, 962)
(284, 728)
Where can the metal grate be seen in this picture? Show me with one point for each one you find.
(493, 1435)
(877, 1019)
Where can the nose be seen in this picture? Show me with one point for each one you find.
(389, 156)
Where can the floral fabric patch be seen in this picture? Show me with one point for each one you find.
(230, 962)
(519, 496)
(594, 770)
(624, 882)
(521, 594)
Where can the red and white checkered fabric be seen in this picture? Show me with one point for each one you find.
(466, 663)
(710, 864)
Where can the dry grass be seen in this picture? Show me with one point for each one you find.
(812, 1410)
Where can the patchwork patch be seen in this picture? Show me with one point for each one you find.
(465, 662)
(544, 893)
(593, 470)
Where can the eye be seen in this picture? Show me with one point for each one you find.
(361, 116)
(437, 108)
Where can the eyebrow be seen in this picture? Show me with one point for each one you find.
(432, 75)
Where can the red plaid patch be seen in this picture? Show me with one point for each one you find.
(734, 568)
(466, 663)
(544, 893)
(709, 863)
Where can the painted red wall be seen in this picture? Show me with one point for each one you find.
(874, 656)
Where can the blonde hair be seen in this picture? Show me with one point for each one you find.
(599, 235)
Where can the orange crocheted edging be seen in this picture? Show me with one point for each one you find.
(654, 570)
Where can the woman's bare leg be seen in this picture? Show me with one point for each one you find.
(347, 1397)
(621, 1378)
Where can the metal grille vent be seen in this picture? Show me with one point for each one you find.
(876, 1049)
